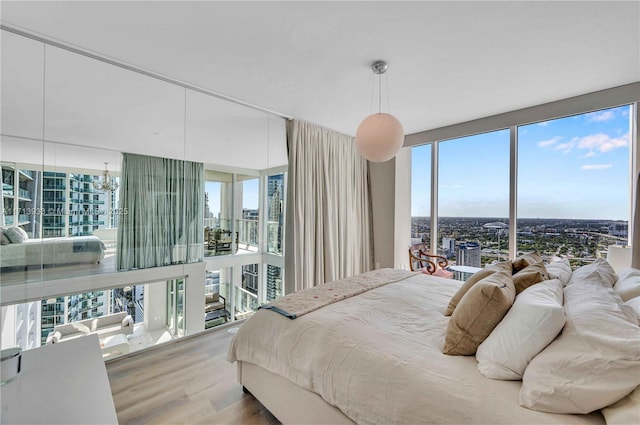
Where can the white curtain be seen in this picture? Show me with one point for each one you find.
(162, 221)
(328, 231)
(635, 242)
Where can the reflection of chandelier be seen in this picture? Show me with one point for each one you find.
(105, 184)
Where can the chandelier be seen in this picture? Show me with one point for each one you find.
(380, 136)
(105, 184)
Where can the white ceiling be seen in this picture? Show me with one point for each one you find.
(449, 61)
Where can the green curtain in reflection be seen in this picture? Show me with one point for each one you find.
(161, 206)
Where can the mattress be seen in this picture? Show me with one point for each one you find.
(377, 358)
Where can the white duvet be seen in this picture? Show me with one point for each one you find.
(377, 357)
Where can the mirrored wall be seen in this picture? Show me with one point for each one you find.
(111, 177)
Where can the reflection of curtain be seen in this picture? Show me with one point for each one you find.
(162, 204)
(328, 207)
(635, 242)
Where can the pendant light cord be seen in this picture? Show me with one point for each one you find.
(379, 93)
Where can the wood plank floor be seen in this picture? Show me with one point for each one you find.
(188, 382)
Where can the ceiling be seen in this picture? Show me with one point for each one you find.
(449, 61)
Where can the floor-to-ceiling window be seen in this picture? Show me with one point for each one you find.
(564, 183)
(473, 198)
(573, 184)
(421, 194)
(247, 224)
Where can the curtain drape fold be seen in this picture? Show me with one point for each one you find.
(162, 204)
(328, 233)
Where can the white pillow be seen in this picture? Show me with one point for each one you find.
(15, 234)
(593, 363)
(634, 303)
(628, 284)
(625, 411)
(598, 272)
(534, 320)
(560, 269)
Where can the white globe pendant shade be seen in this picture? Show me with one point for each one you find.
(379, 137)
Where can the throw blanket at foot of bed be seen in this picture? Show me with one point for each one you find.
(308, 300)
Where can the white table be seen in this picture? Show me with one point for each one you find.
(114, 345)
(464, 272)
(63, 383)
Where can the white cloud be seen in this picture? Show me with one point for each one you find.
(549, 142)
(594, 144)
(603, 143)
(601, 116)
(596, 166)
(566, 147)
(544, 123)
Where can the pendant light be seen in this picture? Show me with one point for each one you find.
(380, 136)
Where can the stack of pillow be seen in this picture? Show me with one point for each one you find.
(14, 234)
(573, 338)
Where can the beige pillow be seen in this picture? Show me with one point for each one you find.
(530, 275)
(479, 311)
(525, 260)
(478, 276)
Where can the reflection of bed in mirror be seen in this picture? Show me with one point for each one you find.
(52, 251)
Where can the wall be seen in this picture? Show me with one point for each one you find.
(390, 200)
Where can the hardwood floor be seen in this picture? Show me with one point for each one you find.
(188, 382)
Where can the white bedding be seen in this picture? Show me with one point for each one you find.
(377, 357)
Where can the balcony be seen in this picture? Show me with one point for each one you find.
(24, 194)
(27, 174)
(248, 233)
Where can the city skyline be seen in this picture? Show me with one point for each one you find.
(573, 167)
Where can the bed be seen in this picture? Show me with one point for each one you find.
(375, 357)
(52, 251)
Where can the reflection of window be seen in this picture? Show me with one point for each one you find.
(175, 307)
(218, 213)
(248, 229)
(573, 184)
(275, 212)
(274, 282)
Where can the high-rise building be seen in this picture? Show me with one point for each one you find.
(448, 245)
(20, 199)
(275, 196)
(88, 207)
(274, 282)
(250, 277)
(468, 254)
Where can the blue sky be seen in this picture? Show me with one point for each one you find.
(249, 195)
(573, 167)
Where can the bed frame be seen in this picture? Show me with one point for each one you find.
(287, 401)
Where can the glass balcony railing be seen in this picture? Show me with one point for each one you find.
(246, 303)
(24, 218)
(24, 194)
(247, 233)
(8, 220)
(274, 237)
